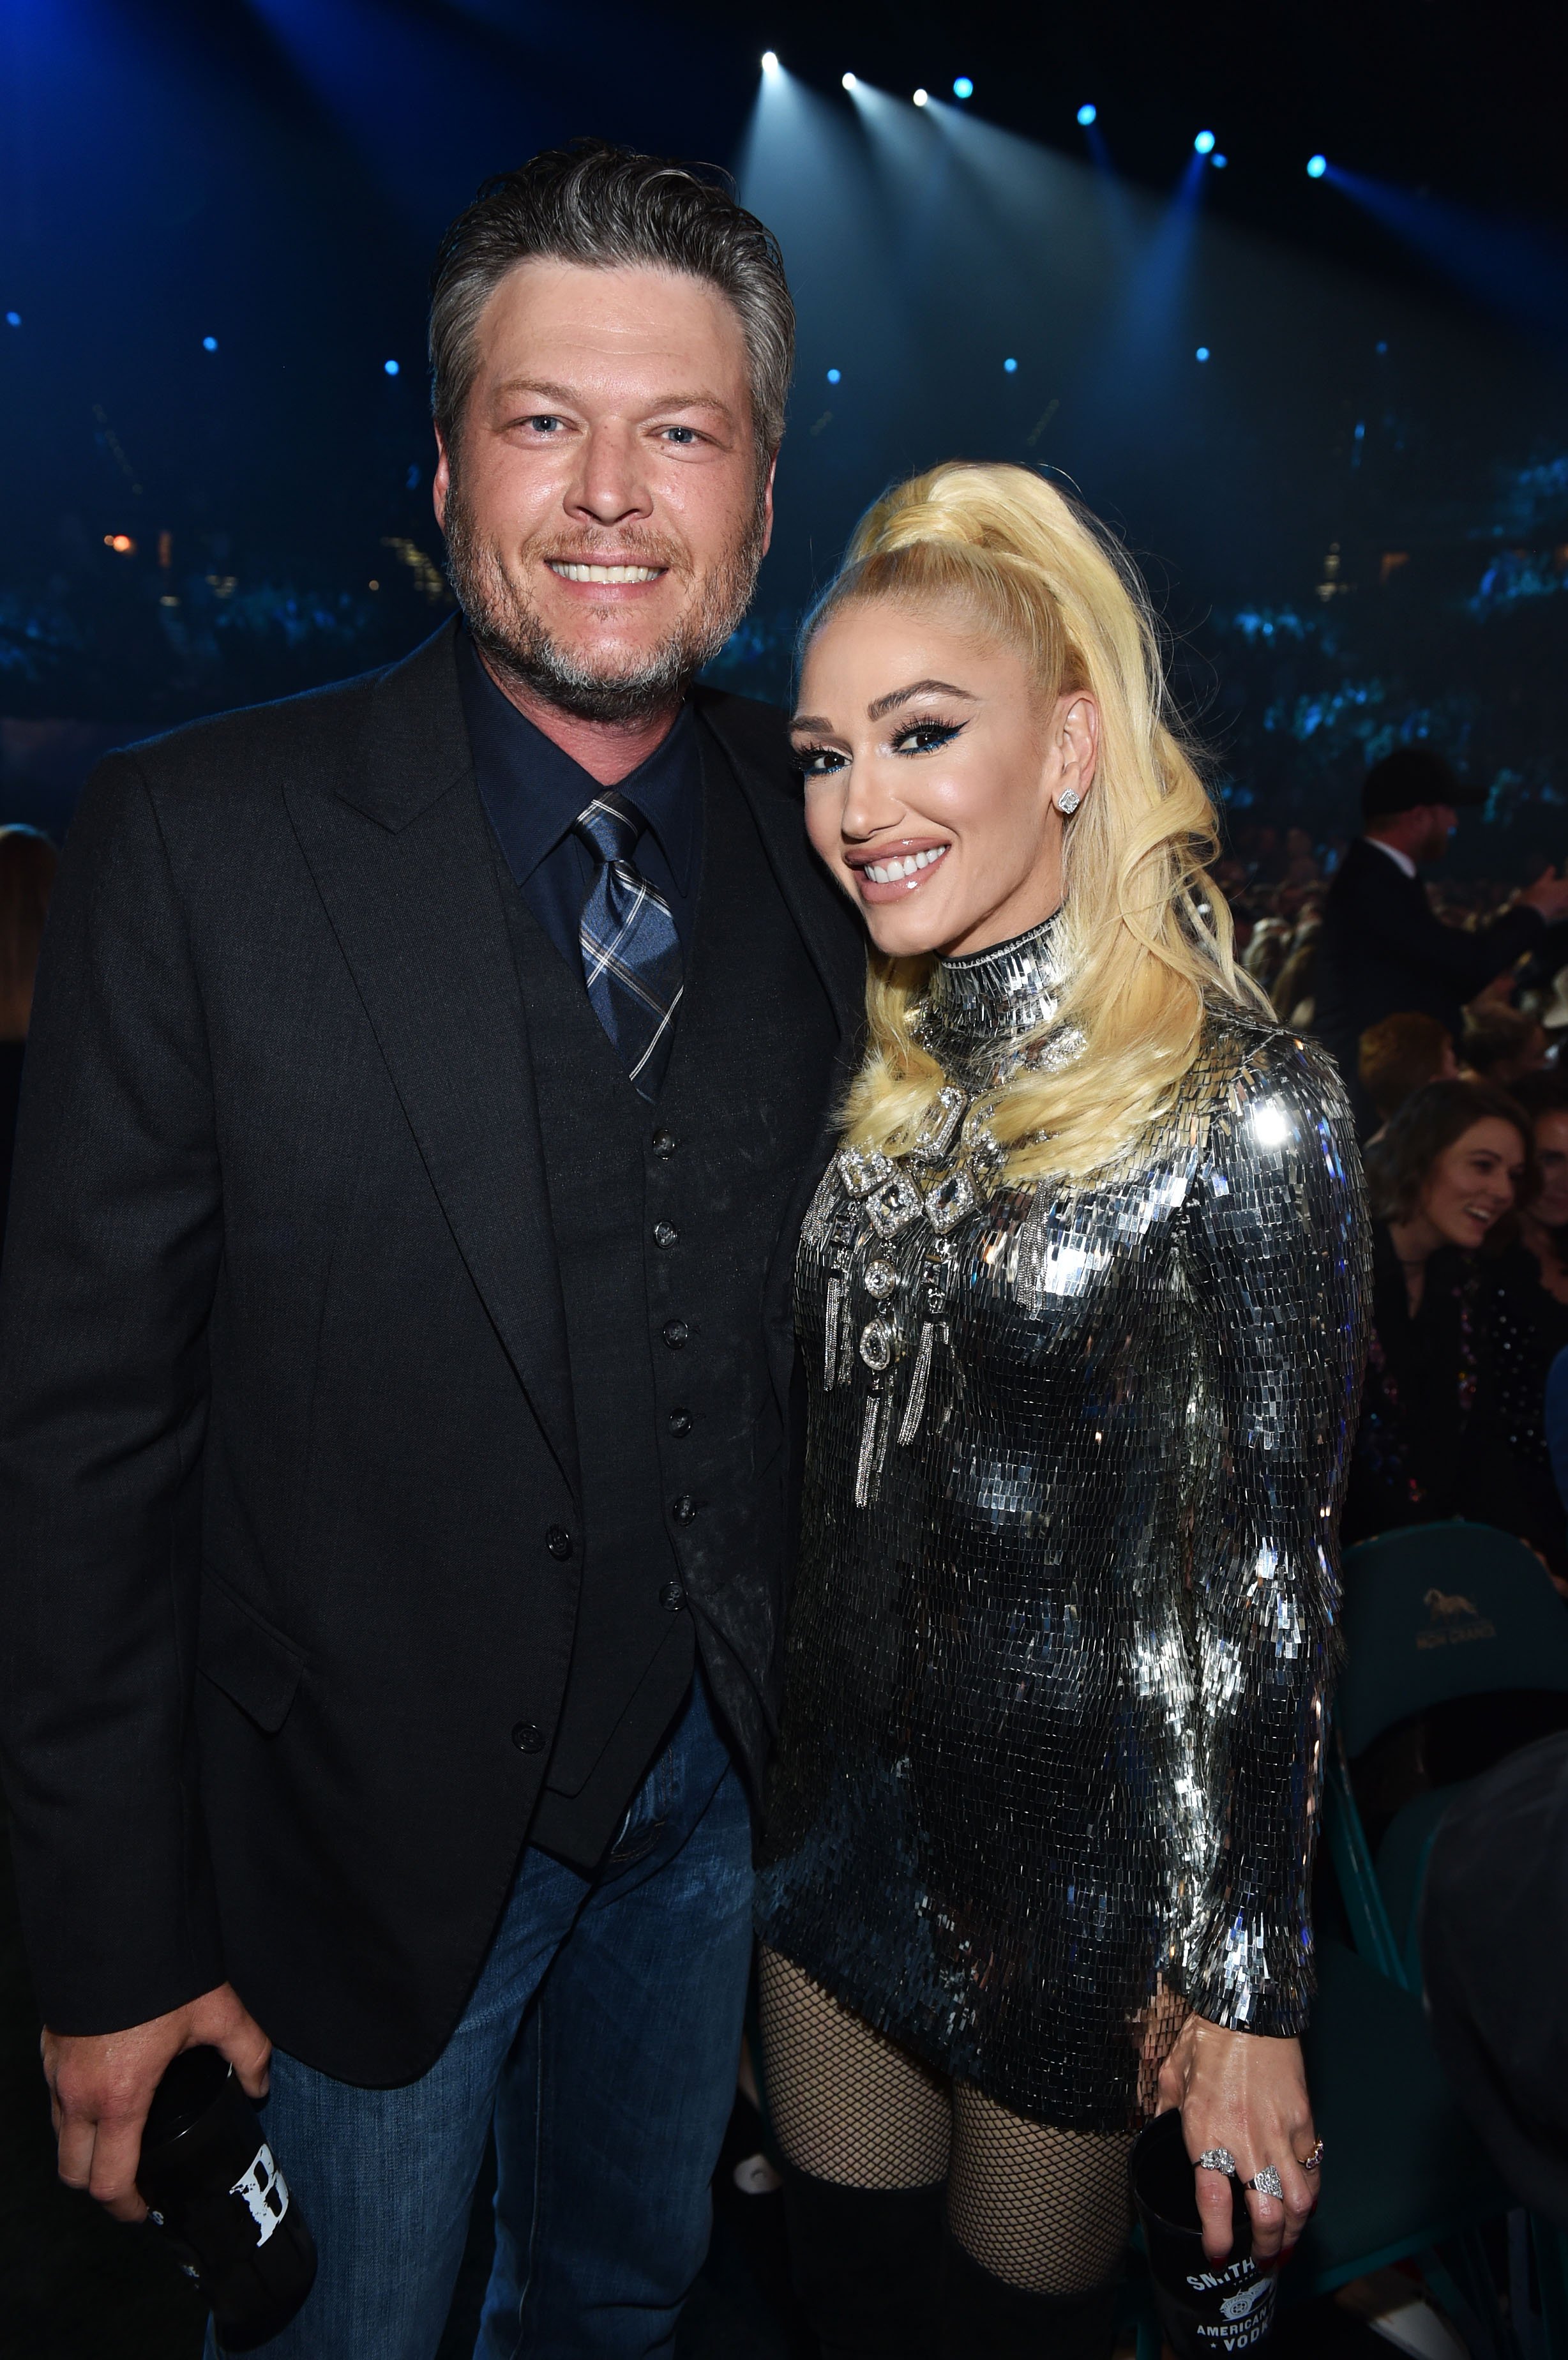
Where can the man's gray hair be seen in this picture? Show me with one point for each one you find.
(600, 205)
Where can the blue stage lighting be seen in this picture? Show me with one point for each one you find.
(834, 376)
(1086, 115)
(1202, 353)
(769, 60)
(1204, 143)
(1219, 161)
(390, 368)
(209, 344)
(13, 319)
(1011, 367)
(1316, 167)
(848, 80)
(963, 87)
(923, 98)
(1382, 347)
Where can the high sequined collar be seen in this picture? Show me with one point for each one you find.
(1006, 990)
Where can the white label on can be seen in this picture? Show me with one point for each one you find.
(264, 2191)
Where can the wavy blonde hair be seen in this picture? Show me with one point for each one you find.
(1144, 938)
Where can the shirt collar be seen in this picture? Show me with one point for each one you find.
(533, 789)
(1401, 859)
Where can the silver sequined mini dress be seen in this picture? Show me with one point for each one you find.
(1064, 1621)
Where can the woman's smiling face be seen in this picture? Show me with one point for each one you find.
(1475, 1182)
(932, 773)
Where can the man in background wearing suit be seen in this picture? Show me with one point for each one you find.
(394, 1349)
(1383, 950)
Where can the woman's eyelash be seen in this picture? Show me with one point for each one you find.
(934, 733)
(818, 761)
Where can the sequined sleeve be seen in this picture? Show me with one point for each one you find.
(1276, 1248)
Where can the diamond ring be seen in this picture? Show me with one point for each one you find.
(1217, 2158)
(1311, 2162)
(1268, 2182)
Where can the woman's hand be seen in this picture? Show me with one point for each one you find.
(1247, 2092)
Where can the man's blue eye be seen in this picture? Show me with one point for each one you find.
(681, 433)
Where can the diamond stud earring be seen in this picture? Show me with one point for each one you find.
(1068, 800)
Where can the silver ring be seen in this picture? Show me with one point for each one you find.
(1217, 2158)
(1268, 2182)
(1311, 2162)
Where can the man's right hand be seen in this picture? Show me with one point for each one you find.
(101, 2085)
(1549, 894)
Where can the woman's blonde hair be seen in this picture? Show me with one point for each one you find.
(1144, 937)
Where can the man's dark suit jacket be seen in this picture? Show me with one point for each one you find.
(1383, 952)
(284, 1408)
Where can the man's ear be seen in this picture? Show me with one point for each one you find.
(441, 482)
(768, 505)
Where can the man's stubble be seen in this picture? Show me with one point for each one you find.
(516, 641)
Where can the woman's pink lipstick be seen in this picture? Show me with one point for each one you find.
(899, 869)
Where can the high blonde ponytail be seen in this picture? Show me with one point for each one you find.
(1144, 938)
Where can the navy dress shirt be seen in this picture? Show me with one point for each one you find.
(533, 791)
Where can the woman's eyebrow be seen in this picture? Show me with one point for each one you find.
(811, 721)
(882, 705)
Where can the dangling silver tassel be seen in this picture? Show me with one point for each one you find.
(914, 1408)
(830, 1332)
(865, 1468)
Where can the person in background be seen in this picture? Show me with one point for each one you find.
(1500, 1043)
(27, 876)
(1399, 1055)
(1452, 1420)
(1382, 948)
(1543, 1221)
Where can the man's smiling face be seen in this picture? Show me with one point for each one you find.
(605, 507)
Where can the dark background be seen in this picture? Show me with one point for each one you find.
(1355, 514)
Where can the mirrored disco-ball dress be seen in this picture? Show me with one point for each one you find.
(1063, 1624)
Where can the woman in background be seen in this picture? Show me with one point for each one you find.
(1452, 1416)
(27, 862)
(1080, 1306)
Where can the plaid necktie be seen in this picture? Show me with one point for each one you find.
(631, 953)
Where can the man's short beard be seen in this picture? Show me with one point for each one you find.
(514, 638)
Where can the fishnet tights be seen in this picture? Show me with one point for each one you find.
(1045, 2210)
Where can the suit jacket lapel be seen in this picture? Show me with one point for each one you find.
(401, 854)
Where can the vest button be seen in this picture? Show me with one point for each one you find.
(529, 1737)
(558, 1540)
(663, 1235)
(675, 1333)
(679, 1421)
(663, 1142)
(684, 1509)
(672, 1597)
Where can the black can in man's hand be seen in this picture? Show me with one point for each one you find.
(1206, 2309)
(213, 2186)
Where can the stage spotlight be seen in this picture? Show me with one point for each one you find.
(1219, 161)
(1202, 353)
(769, 60)
(209, 344)
(13, 319)
(1204, 143)
(923, 98)
(1382, 345)
(390, 368)
(1316, 167)
(848, 80)
(121, 543)
(963, 87)
(1011, 367)
(1086, 115)
(834, 376)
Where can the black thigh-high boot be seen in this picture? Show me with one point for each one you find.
(867, 2264)
(983, 2318)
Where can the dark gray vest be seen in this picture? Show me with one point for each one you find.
(666, 1218)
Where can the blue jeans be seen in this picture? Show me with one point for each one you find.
(602, 2041)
